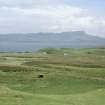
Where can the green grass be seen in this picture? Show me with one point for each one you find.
(70, 77)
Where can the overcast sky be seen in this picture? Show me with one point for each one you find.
(29, 16)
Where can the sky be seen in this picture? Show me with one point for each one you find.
(32, 16)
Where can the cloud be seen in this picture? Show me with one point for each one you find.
(56, 18)
(28, 3)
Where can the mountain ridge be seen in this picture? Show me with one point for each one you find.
(33, 41)
(57, 33)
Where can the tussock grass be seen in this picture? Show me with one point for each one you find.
(70, 77)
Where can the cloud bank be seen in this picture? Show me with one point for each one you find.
(26, 17)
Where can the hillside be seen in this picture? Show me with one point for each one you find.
(53, 77)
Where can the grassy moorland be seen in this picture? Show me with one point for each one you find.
(53, 77)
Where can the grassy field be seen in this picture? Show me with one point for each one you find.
(53, 77)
